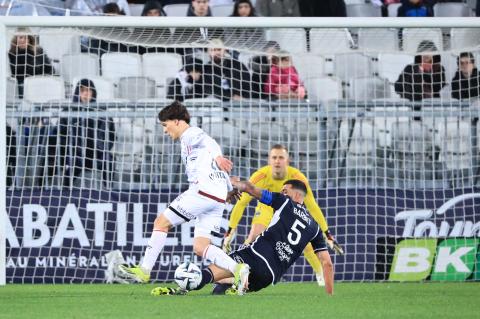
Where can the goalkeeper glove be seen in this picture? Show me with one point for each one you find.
(332, 243)
(227, 240)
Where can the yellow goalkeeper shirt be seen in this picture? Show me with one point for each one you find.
(263, 178)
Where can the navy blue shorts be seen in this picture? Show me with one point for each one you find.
(260, 276)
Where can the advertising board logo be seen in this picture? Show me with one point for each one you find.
(452, 259)
(419, 223)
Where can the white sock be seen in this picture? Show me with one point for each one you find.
(154, 248)
(219, 258)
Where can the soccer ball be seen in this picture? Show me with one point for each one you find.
(188, 276)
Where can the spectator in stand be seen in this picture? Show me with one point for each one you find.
(199, 8)
(260, 66)
(187, 83)
(283, 81)
(153, 8)
(275, 8)
(324, 8)
(415, 8)
(425, 77)
(243, 8)
(112, 9)
(27, 58)
(86, 143)
(466, 82)
(225, 78)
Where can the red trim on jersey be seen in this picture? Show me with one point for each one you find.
(212, 197)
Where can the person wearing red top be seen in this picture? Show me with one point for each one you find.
(283, 80)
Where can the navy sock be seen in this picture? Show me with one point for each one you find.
(207, 277)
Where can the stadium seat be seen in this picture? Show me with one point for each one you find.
(449, 62)
(224, 10)
(136, 9)
(462, 39)
(383, 124)
(176, 10)
(324, 89)
(413, 36)
(352, 65)
(309, 65)
(390, 65)
(456, 152)
(412, 154)
(329, 41)
(81, 65)
(451, 9)
(117, 65)
(378, 40)
(363, 10)
(393, 9)
(12, 89)
(359, 146)
(162, 67)
(42, 89)
(368, 88)
(294, 40)
(134, 88)
(56, 45)
(230, 137)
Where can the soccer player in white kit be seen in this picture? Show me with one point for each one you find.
(204, 200)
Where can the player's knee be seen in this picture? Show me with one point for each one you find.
(199, 249)
(161, 224)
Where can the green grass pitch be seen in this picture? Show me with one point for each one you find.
(351, 300)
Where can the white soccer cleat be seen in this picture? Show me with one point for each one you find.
(241, 278)
(320, 279)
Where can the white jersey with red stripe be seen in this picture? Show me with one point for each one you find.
(199, 152)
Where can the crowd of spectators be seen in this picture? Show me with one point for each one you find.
(83, 145)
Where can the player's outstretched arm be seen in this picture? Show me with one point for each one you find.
(247, 187)
(328, 271)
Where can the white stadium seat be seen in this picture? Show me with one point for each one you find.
(293, 40)
(162, 67)
(323, 89)
(176, 10)
(330, 41)
(222, 10)
(117, 65)
(42, 89)
(83, 65)
(413, 36)
(369, 40)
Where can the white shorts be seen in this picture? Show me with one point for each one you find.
(192, 205)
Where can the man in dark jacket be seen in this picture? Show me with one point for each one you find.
(225, 78)
(424, 78)
(466, 82)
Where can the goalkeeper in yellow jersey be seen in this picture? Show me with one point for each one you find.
(272, 177)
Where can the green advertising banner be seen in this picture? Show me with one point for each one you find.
(455, 259)
(413, 259)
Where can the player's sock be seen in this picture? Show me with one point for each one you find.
(219, 258)
(154, 247)
(207, 277)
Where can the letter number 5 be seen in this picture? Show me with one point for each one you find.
(294, 231)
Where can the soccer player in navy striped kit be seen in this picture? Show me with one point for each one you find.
(279, 246)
